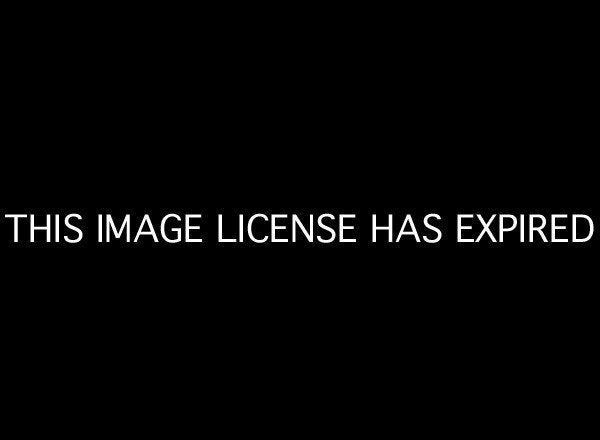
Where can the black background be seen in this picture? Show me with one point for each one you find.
(386, 112)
